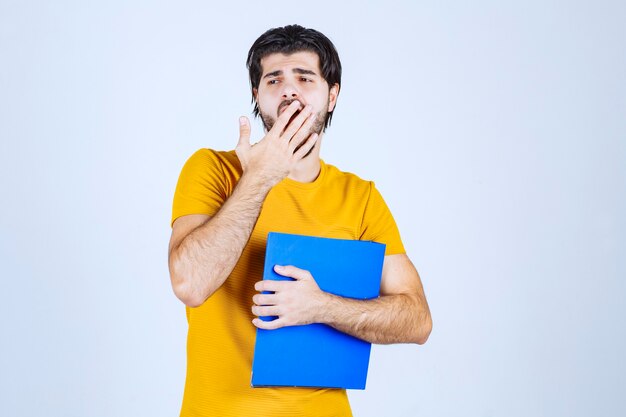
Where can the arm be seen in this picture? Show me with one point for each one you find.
(399, 315)
(204, 250)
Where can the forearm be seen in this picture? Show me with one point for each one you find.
(397, 318)
(203, 260)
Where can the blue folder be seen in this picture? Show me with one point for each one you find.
(317, 355)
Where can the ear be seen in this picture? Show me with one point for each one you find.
(255, 93)
(333, 93)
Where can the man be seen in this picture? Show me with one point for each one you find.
(226, 203)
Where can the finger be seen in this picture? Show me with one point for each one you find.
(264, 299)
(285, 116)
(266, 311)
(244, 131)
(269, 285)
(292, 272)
(306, 146)
(302, 134)
(269, 325)
(297, 123)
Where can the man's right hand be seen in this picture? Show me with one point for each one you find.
(275, 156)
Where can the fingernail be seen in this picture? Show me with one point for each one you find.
(242, 121)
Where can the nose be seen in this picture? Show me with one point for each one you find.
(290, 91)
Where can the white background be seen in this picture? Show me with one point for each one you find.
(496, 131)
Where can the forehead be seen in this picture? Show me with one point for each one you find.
(279, 61)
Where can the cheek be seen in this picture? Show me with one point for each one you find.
(322, 102)
(264, 103)
(264, 95)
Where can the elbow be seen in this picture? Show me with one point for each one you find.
(420, 324)
(183, 288)
(189, 299)
(185, 294)
(423, 332)
(192, 303)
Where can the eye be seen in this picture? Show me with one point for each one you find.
(272, 82)
(305, 79)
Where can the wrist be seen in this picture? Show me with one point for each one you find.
(257, 183)
(324, 309)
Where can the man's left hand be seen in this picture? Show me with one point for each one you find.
(294, 302)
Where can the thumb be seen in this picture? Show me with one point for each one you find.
(244, 131)
(292, 272)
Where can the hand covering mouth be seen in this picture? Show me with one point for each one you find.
(282, 106)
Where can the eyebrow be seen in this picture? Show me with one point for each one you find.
(295, 70)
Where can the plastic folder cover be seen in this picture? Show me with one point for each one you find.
(317, 355)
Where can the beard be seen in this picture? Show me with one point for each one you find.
(317, 127)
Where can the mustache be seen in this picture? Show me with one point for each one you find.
(284, 104)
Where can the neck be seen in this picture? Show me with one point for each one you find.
(308, 168)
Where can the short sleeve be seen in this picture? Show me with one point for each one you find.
(378, 224)
(202, 186)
